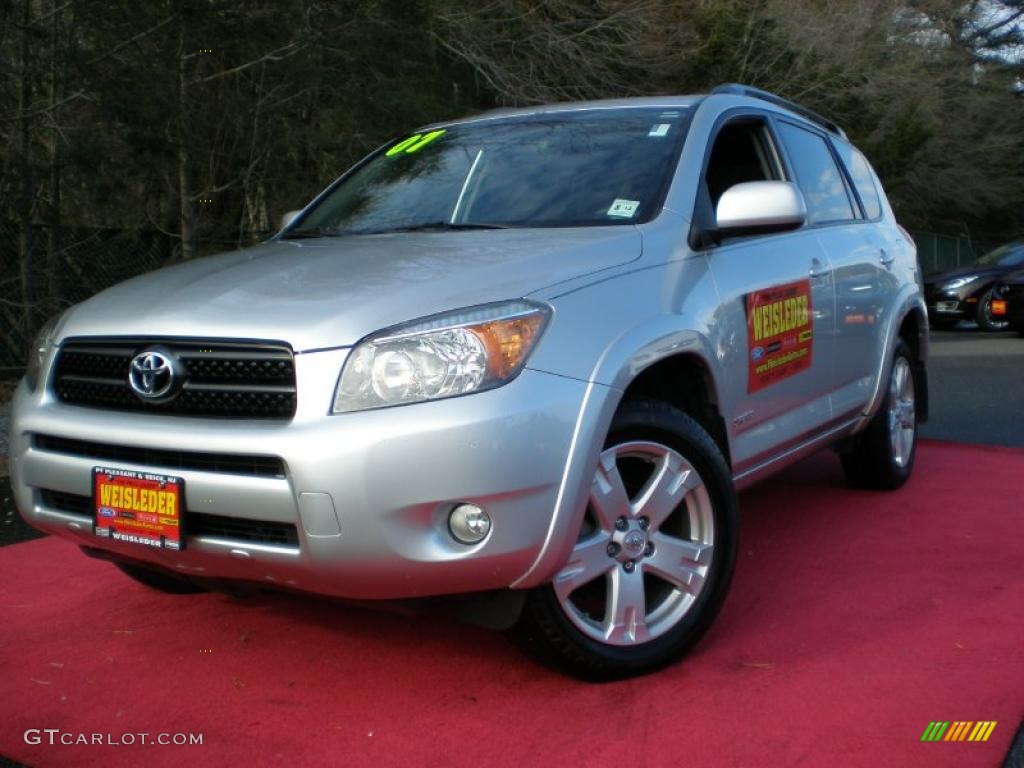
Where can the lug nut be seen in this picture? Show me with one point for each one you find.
(628, 566)
(621, 524)
(645, 523)
(649, 549)
(612, 549)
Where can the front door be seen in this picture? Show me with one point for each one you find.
(776, 314)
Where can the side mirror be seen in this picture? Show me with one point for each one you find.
(288, 218)
(759, 207)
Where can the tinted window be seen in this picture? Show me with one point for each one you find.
(863, 178)
(741, 153)
(817, 175)
(585, 168)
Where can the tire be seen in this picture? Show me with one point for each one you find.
(983, 314)
(658, 467)
(160, 580)
(882, 456)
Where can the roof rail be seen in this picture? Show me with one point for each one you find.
(738, 89)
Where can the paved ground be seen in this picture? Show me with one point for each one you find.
(977, 387)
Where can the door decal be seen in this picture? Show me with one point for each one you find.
(779, 335)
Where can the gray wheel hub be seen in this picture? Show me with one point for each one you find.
(646, 554)
(902, 414)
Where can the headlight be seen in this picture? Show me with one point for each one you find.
(41, 346)
(959, 282)
(441, 356)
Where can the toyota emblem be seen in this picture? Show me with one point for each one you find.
(154, 374)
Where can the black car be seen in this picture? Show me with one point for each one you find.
(965, 293)
(1008, 299)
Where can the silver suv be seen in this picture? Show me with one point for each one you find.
(529, 355)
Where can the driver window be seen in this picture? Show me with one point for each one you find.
(742, 152)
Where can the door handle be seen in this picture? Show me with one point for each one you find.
(885, 258)
(817, 269)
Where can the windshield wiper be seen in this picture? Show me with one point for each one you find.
(430, 226)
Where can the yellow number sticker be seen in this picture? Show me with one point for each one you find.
(414, 143)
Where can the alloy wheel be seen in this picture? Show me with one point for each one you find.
(902, 418)
(644, 551)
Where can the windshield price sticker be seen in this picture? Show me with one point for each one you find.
(780, 338)
(623, 209)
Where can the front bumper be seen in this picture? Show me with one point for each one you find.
(946, 305)
(367, 493)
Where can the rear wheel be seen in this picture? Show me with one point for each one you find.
(883, 455)
(654, 555)
(160, 580)
(986, 321)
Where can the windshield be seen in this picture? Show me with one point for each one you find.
(592, 167)
(1010, 255)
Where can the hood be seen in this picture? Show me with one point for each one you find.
(983, 271)
(331, 292)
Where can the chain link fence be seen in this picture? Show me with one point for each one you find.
(63, 271)
(939, 253)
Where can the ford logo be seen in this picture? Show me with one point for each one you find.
(154, 374)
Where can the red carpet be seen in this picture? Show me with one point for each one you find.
(855, 619)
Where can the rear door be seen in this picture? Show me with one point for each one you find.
(776, 312)
(862, 255)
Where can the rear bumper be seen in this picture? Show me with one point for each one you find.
(362, 498)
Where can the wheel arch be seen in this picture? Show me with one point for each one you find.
(914, 332)
(909, 322)
(641, 361)
(685, 381)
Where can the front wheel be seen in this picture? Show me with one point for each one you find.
(882, 456)
(654, 556)
(986, 320)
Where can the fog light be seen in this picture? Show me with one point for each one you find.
(469, 524)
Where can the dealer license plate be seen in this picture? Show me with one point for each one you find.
(138, 507)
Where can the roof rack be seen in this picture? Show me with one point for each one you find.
(738, 89)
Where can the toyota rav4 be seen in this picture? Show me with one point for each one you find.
(530, 355)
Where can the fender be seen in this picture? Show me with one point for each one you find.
(909, 300)
(628, 355)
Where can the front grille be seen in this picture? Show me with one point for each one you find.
(71, 503)
(221, 379)
(227, 463)
(240, 529)
(196, 523)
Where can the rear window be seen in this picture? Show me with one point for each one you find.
(863, 178)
